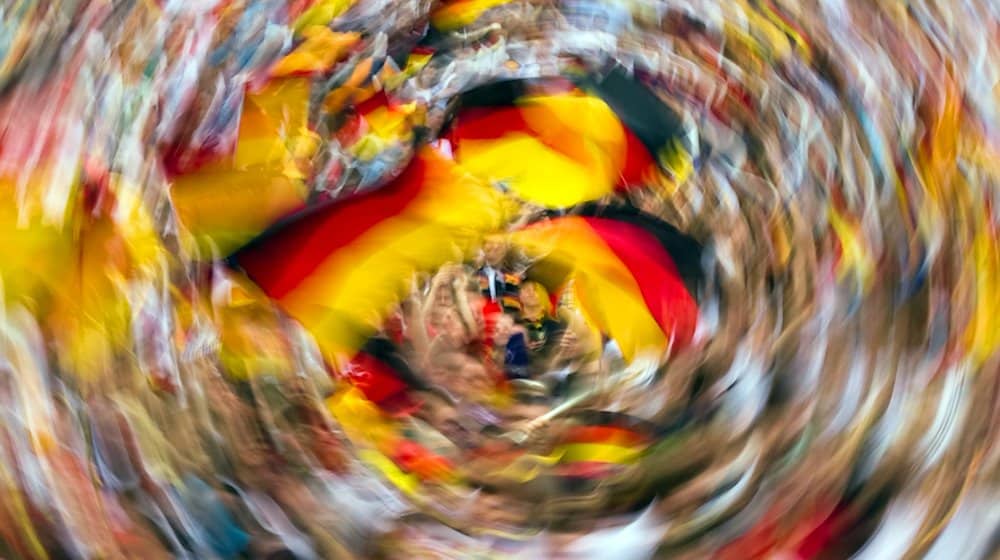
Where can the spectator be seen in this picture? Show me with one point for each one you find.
(541, 328)
(439, 302)
(498, 281)
(510, 348)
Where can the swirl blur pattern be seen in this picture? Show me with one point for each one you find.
(747, 291)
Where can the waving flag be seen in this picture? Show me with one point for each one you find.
(341, 267)
(558, 145)
(24, 275)
(632, 274)
(651, 124)
(229, 200)
(600, 444)
(554, 150)
(317, 53)
(310, 14)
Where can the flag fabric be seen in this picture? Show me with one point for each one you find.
(230, 199)
(377, 124)
(596, 445)
(25, 276)
(633, 275)
(317, 54)
(553, 150)
(652, 125)
(556, 142)
(116, 244)
(385, 378)
(340, 267)
(600, 444)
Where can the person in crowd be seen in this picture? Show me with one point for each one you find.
(439, 301)
(578, 352)
(471, 411)
(499, 282)
(458, 321)
(509, 349)
(542, 329)
(453, 335)
(472, 309)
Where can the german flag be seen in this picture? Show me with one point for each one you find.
(555, 150)
(376, 123)
(634, 275)
(600, 444)
(230, 199)
(316, 54)
(558, 143)
(370, 410)
(341, 266)
(27, 277)
(652, 124)
(385, 378)
(383, 445)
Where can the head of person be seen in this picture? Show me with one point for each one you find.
(444, 297)
(453, 330)
(495, 249)
(534, 299)
(503, 330)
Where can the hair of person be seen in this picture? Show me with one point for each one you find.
(542, 293)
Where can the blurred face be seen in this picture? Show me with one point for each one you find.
(452, 329)
(504, 328)
(444, 297)
(441, 414)
(529, 297)
(494, 250)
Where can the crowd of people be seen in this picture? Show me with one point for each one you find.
(486, 353)
(478, 329)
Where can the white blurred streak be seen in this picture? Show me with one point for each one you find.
(635, 541)
(896, 532)
(972, 532)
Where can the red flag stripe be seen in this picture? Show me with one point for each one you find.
(306, 243)
(662, 288)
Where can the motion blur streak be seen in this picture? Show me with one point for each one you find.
(500, 279)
